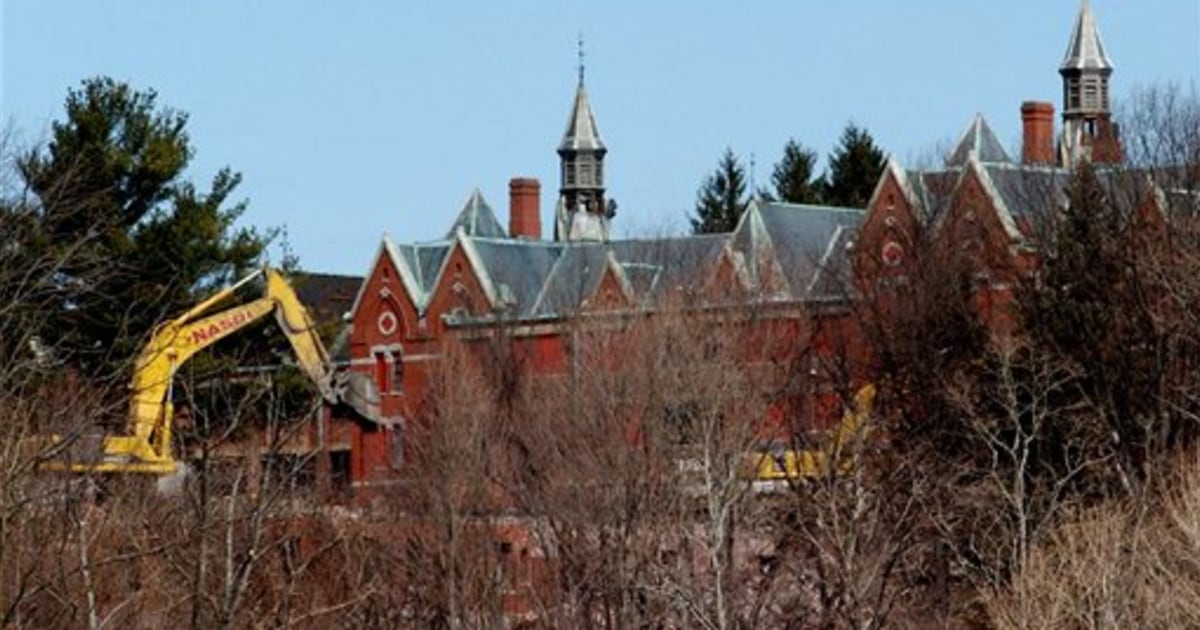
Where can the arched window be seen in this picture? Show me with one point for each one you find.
(397, 381)
(389, 368)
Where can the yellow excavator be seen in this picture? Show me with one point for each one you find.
(830, 457)
(146, 448)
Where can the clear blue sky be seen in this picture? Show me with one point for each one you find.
(352, 118)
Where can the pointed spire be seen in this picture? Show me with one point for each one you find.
(1085, 50)
(979, 140)
(582, 213)
(581, 133)
(477, 219)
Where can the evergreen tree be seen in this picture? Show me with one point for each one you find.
(722, 199)
(792, 177)
(854, 169)
(137, 241)
(1088, 305)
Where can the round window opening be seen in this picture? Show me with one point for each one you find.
(387, 322)
(892, 254)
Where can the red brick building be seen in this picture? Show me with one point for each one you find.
(792, 263)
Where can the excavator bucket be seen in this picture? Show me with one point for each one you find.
(359, 392)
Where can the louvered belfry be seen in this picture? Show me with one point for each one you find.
(582, 212)
(1089, 132)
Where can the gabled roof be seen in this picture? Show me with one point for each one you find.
(1085, 50)
(802, 237)
(581, 133)
(980, 140)
(934, 190)
(477, 219)
(1024, 190)
(1025, 196)
(516, 269)
(572, 279)
(892, 168)
(795, 241)
(531, 280)
(667, 266)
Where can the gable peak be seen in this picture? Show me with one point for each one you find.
(477, 219)
(979, 141)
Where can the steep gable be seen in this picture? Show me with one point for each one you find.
(614, 291)
(463, 290)
(978, 228)
(979, 141)
(477, 219)
(889, 230)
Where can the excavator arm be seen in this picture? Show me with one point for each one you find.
(147, 445)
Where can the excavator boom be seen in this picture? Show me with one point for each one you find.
(147, 446)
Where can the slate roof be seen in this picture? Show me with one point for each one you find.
(477, 219)
(534, 280)
(1024, 194)
(934, 190)
(1025, 189)
(799, 240)
(979, 140)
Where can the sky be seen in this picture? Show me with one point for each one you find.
(352, 119)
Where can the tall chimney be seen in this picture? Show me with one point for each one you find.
(524, 213)
(1037, 122)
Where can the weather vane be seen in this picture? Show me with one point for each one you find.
(581, 57)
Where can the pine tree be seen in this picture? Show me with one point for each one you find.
(137, 241)
(1088, 306)
(721, 200)
(854, 169)
(792, 177)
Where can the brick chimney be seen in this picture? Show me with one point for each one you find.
(1037, 122)
(524, 212)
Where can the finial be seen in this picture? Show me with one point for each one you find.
(580, 57)
(753, 190)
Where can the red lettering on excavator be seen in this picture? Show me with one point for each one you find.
(218, 328)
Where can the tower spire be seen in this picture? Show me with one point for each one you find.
(1088, 130)
(583, 212)
(1085, 51)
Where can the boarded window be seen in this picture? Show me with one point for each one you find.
(382, 372)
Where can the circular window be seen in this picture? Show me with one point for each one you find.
(387, 323)
(892, 253)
